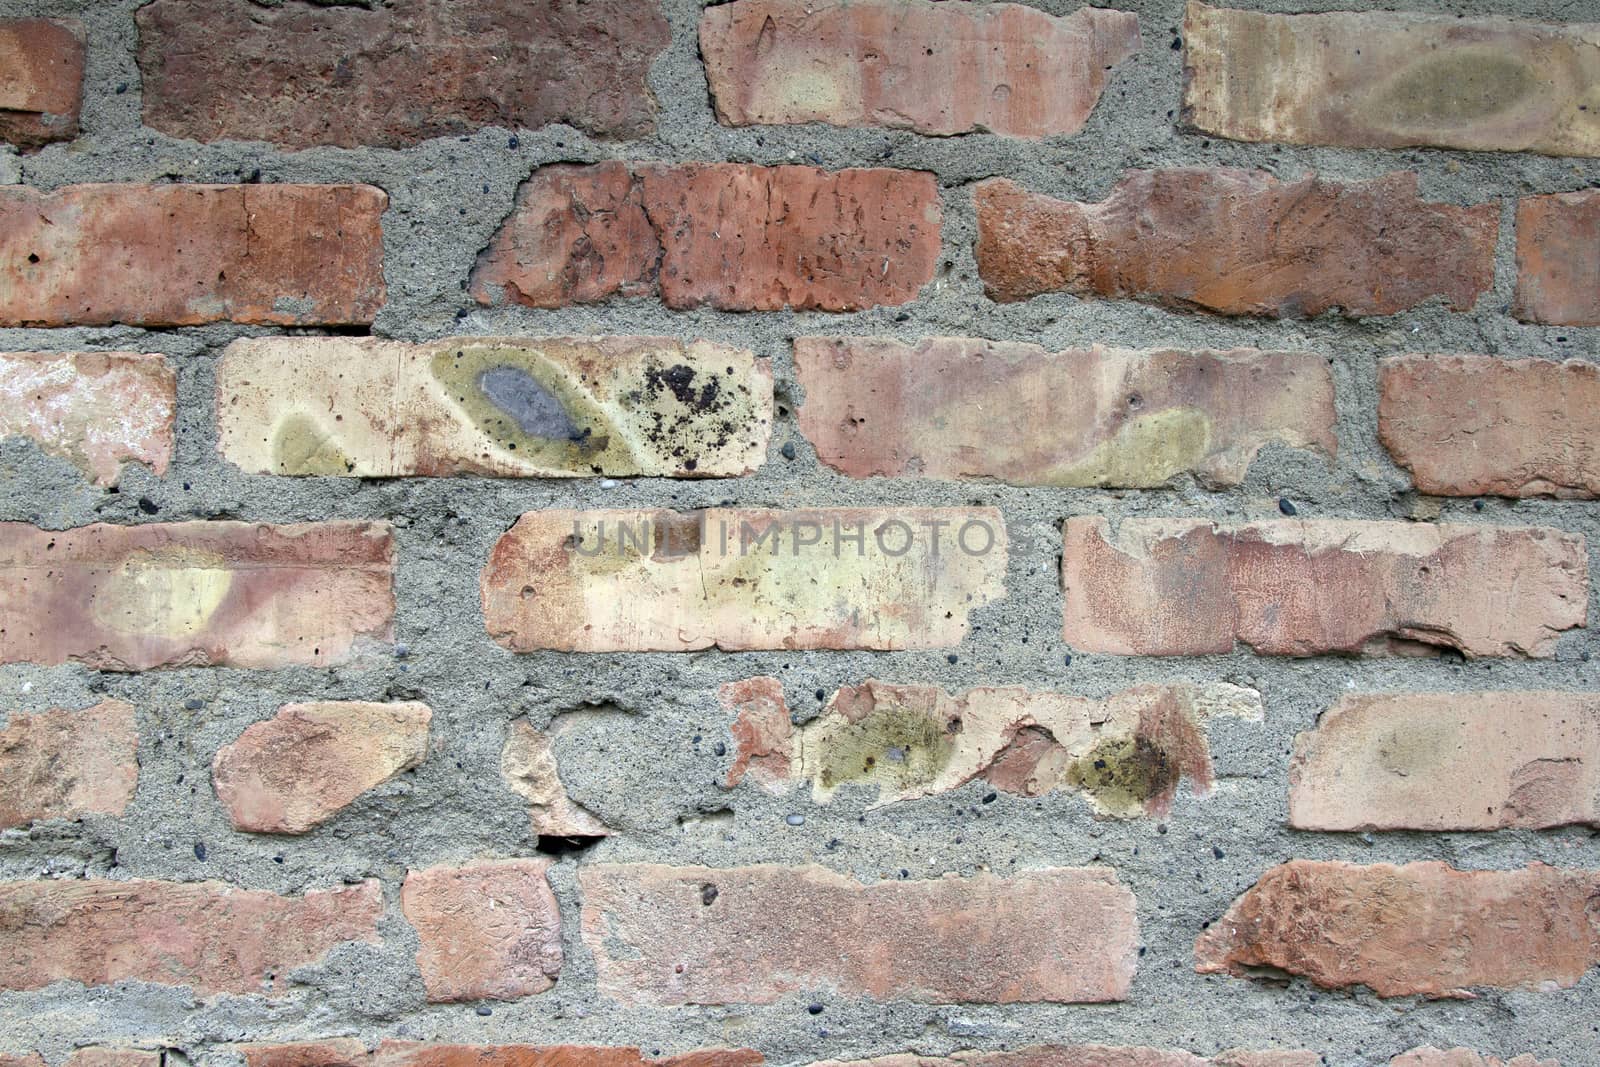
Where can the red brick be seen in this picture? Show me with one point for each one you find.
(1240, 243)
(911, 64)
(729, 236)
(1058, 934)
(183, 255)
(1558, 259)
(965, 408)
(392, 75)
(1475, 425)
(62, 764)
(210, 937)
(762, 732)
(352, 1053)
(41, 80)
(190, 594)
(1186, 587)
(299, 769)
(1422, 928)
(489, 929)
(95, 409)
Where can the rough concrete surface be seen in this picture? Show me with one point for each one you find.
(633, 760)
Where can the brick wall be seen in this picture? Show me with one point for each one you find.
(539, 533)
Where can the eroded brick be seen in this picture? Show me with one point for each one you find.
(1428, 1056)
(1183, 587)
(210, 937)
(183, 255)
(41, 80)
(637, 581)
(762, 733)
(730, 236)
(189, 594)
(911, 64)
(1421, 928)
(660, 935)
(489, 929)
(1090, 1056)
(1558, 258)
(389, 1053)
(528, 765)
(296, 771)
(1240, 243)
(967, 408)
(62, 764)
(545, 407)
(94, 409)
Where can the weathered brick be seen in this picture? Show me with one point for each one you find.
(967, 408)
(639, 581)
(392, 75)
(1428, 1056)
(1471, 425)
(661, 935)
(1558, 259)
(528, 765)
(352, 1053)
(1240, 243)
(1090, 1056)
(546, 407)
(41, 80)
(95, 1056)
(1383, 79)
(1184, 587)
(489, 929)
(189, 594)
(729, 236)
(182, 255)
(1126, 754)
(1449, 761)
(911, 64)
(1421, 928)
(210, 937)
(62, 764)
(95, 409)
(299, 769)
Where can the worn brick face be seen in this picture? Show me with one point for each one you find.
(528, 765)
(545, 407)
(659, 935)
(723, 235)
(392, 75)
(63, 764)
(490, 929)
(1449, 761)
(912, 64)
(1421, 928)
(967, 408)
(95, 409)
(210, 937)
(1471, 425)
(41, 80)
(1382, 79)
(635, 581)
(1558, 259)
(1240, 243)
(183, 255)
(130, 598)
(297, 770)
(1175, 587)
(352, 1053)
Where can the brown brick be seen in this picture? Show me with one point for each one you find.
(911, 64)
(490, 929)
(190, 594)
(62, 764)
(210, 937)
(729, 236)
(1382, 79)
(1449, 761)
(1186, 587)
(640, 581)
(1474, 425)
(95, 409)
(352, 1053)
(1422, 928)
(540, 407)
(966, 408)
(1058, 934)
(1558, 259)
(41, 80)
(392, 75)
(182, 255)
(1239, 242)
(296, 771)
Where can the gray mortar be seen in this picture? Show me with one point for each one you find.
(640, 769)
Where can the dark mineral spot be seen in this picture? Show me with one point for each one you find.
(530, 405)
